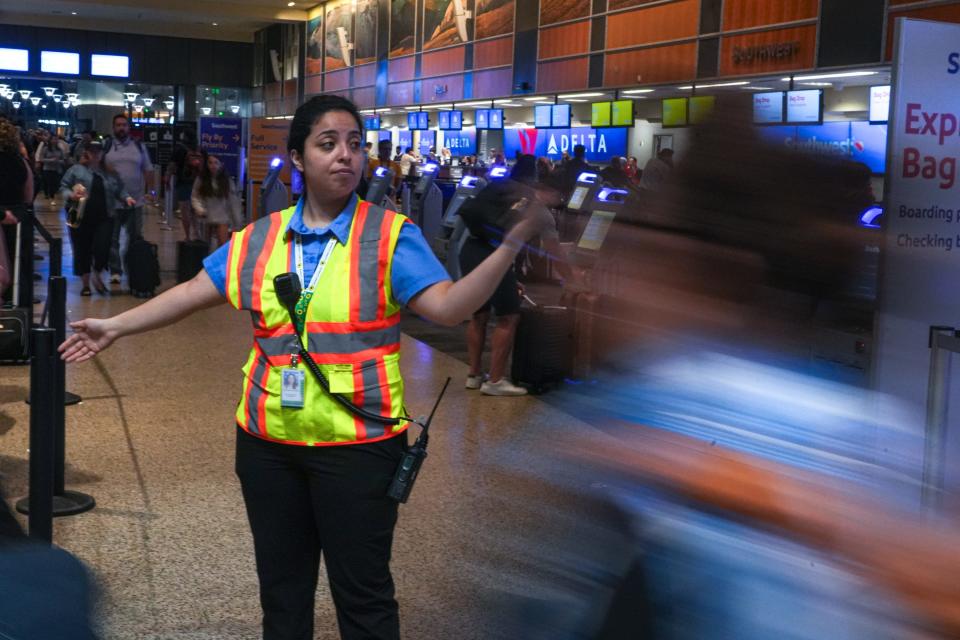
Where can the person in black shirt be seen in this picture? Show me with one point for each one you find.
(574, 168)
(91, 186)
(16, 185)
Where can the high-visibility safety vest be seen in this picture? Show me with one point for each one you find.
(352, 330)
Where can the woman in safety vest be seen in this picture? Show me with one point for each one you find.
(314, 475)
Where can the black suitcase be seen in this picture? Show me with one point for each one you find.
(15, 320)
(190, 255)
(143, 268)
(543, 348)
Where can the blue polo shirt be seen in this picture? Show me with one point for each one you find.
(415, 267)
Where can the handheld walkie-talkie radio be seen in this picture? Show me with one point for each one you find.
(288, 288)
(409, 467)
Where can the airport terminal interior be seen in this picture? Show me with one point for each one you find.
(690, 378)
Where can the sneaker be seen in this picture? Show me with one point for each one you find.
(502, 388)
(115, 278)
(474, 382)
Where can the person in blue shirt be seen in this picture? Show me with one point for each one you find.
(304, 500)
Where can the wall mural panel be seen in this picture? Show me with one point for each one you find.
(445, 23)
(314, 57)
(339, 35)
(403, 27)
(494, 17)
(366, 31)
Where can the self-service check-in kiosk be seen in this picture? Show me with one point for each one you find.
(603, 209)
(425, 202)
(274, 195)
(452, 234)
(588, 184)
(379, 187)
(598, 279)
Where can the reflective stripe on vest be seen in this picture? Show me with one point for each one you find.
(352, 330)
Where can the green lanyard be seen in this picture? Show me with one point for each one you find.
(300, 310)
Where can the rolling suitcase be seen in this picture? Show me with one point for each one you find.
(543, 348)
(15, 320)
(143, 268)
(190, 255)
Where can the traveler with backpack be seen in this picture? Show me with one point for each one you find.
(130, 160)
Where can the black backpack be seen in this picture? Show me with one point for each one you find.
(494, 211)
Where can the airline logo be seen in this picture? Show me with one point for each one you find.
(859, 141)
(600, 144)
(528, 141)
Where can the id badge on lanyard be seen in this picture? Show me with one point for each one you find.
(292, 392)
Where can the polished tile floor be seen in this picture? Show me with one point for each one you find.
(168, 541)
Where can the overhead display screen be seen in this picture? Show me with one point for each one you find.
(701, 107)
(675, 112)
(622, 113)
(551, 116)
(371, 123)
(113, 66)
(418, 120)
(450, 120)
(805, 107)
(543, 116)
(60, 62)
(560, 114)
(768, 107)
(880, 103)
(600, 114)
(14, 59)
(489, 118)
(482, 118)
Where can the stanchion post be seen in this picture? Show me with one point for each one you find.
(39, 504)
(56, 257)
(57, 296)
(935, 428)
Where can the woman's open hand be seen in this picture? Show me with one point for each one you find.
(90, 337)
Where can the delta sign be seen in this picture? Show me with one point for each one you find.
(601, 144)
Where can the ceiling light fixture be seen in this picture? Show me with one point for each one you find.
(234, 109)
(49, 91)
(73, 13)
(582, 95)
(35, 100)
(817, 84)
(826, 76)
(131, 96)
(16, 104)
(147, 102)
(215, 24)
(752, 88)
(57, 97)
(636, 91)
(72, 96)
(714, 86)
(206, 110)
(25, 93)
(168, 104)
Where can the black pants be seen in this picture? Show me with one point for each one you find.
(304, 501)
(91, 244)
(51, 182)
